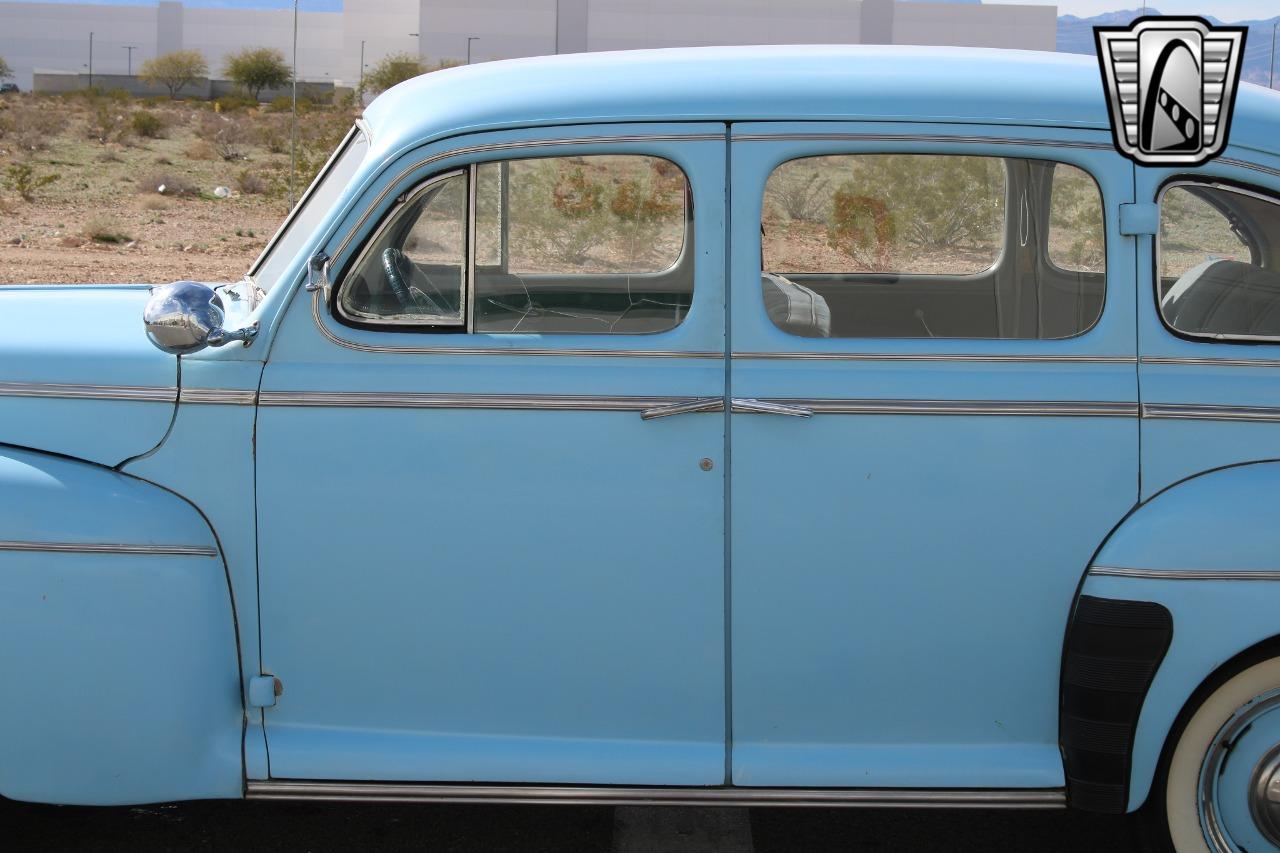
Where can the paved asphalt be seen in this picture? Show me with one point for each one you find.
(533, 829)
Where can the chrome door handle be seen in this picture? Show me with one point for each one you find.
(764, 407)
(701, 404)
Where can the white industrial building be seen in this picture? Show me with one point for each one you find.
(56, 36)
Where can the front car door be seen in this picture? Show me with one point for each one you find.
(935, 426)
(491, 472)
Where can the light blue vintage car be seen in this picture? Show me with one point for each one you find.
(770, 426)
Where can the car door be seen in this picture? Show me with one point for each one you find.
(490, 470)
(934, 426)
(1207, 314)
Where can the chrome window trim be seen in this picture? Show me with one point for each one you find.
(959, 358)
(407, 198)
(282, 789)
(108, 548)
(135, 393)
(1209, 183)
(1207, 412)
(219, 396)
(486, 148)
(1187, 574)
(926, 138)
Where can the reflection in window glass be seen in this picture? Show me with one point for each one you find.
(582, 245)
(932, 246)
(599, 214)
(1193, 231)
(1076, 238)
(903, 213)
(1219, 252)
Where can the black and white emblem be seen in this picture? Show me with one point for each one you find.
(1171, 84)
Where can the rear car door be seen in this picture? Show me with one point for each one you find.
(934, 426)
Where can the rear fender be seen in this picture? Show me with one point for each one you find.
(1207, 550)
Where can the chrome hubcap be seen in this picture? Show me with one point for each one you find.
(1264, 796)
(1264, 783)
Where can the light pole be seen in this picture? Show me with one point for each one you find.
(131, 48)
(293, 132)
(470, 39)
(1271, 84)
(360, 88)
(90, 60)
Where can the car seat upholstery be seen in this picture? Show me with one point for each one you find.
(1221, 297)
(795, 308)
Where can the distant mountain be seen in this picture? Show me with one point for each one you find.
(1075, 35)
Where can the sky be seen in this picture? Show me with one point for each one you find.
(1226, 10)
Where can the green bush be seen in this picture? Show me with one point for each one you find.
(147, 124)
(22, 179)
(233, 103)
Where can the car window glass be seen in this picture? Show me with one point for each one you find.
(413, 272)
(1076, 239)
(931, 246)
(1218, 257)
(582, 245)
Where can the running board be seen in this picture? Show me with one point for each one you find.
(378, 792)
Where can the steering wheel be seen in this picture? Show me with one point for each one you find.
(410, 284)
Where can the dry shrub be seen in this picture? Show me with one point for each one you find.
(250, 182)
(272, 133)
(110, 156)
(23, 180)
(154, 203)
(200, 149)
(174, 185)
(101, 229)
(229, 135)
(107, 123)
(33, 127)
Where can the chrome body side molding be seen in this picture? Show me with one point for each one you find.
(373, 399)
(1030, 408)
(220, 396)
(108, 548)
(1210, 361)
(959, 358)
(1200, 412)
(1187, 574)
(88, 392)
(1052, 798)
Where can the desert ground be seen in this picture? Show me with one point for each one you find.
(102, 188)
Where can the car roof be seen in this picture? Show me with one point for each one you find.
(771, 83)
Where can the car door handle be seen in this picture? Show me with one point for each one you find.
(701, 404)
(763, 407)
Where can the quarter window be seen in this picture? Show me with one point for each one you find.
(1219, 262)
(932, 246)
(562, 245)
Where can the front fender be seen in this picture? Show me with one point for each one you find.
(1202, 549)
(117, 642)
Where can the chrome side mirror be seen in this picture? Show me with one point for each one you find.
(187, 316)
(318, 274)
